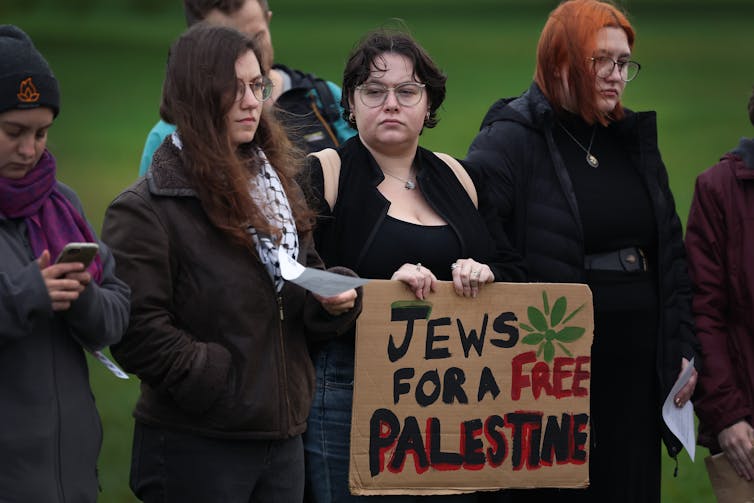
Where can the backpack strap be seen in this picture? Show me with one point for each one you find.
(330, 162)
(462, 176)
(330, 109)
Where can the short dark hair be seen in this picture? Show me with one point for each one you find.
(368, 52)
(197, 10)
(751, 107)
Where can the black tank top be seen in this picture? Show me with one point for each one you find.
(398, 242)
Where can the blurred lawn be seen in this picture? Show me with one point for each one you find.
(697, 72)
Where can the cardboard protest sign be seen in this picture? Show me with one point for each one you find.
(455, 394)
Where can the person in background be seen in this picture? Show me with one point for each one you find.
(217, 337)
(720, 247)
(49, 312)
(401, 213)
(307, 105)
(583, 192)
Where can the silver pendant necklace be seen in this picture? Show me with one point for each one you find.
(407, 184)
(590, 159)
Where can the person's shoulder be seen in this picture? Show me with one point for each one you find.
(722, 172)
(298, 78)
(69, 194)
(161, 129)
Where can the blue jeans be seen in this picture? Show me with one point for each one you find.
(327, 441)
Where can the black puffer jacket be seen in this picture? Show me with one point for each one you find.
(526, 179)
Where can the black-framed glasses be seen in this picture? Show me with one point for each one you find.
(373, 95)
(605, 65)
(260, 88)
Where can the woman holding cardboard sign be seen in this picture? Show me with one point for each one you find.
(399, 212)
(49, 312)
(581, 185)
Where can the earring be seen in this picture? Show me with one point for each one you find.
(427, 116)
(351, 118)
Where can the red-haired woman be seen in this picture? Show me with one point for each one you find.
(217, 337)
(581, 186)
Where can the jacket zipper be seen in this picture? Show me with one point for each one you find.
(283, 365)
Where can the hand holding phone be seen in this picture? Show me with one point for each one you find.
(78, 252)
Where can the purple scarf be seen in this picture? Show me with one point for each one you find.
(51, 220)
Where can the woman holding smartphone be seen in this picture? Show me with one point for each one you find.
(217, 337)
(49, 312)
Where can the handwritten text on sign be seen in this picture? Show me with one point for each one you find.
(454, 394)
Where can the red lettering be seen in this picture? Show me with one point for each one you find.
(540, 379)
(559, 373)
(580, 375)
(518, 379)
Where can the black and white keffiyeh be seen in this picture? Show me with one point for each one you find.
(268, 194)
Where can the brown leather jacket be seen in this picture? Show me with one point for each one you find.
(218, 351)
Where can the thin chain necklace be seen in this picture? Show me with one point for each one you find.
(408, 184)
(590, 159)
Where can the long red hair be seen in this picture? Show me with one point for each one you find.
(567, 41)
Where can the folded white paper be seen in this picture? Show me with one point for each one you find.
(680, 420)
(326, 284)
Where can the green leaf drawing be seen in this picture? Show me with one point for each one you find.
(537, 319)
(549, 351)
(565, 349)
(551, 334)
(570, 334)
(533, 339)
(558, 310)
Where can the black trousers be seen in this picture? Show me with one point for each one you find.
(174, 467)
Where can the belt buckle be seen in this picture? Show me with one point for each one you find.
(643, 259)
(633, 259)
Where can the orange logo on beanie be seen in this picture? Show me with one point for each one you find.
(27, 92)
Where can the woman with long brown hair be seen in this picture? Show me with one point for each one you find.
(217, 337)
(581, 186)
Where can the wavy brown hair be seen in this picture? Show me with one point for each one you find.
(568, 40)
(199, 91)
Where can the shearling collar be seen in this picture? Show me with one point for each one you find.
(166, 176)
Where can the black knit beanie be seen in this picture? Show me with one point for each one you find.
(26, 80)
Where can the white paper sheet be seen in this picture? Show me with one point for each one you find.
(680, 420)
(326, 284)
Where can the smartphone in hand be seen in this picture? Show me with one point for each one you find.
(78, 252)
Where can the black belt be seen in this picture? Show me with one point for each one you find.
(631, 259)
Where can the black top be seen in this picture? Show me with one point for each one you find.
(345, 235)
(615, 212)
(398, 242)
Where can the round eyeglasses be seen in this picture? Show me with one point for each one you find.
(261, 89)
(373, 95)
(605, 65)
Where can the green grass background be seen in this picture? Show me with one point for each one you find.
(697, 72)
